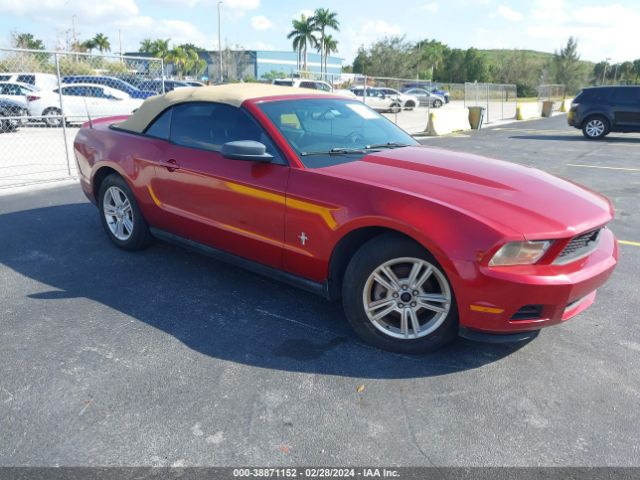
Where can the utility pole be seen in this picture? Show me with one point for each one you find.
(221, 78)
(604, 72)
(73, 30)
(120, 41)
(74, 42)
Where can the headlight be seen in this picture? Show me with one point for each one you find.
(520, 253)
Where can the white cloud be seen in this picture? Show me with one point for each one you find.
(379, 28)
(260, 22)
(260, 46)
(242, 4)
(509, 13)
(59, 10)
(608, 31)
(432, 7)
(551, 10)
(365, 33)
(306, 12)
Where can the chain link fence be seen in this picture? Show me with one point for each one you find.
(552, 92)
(498, 100)
(46, 95)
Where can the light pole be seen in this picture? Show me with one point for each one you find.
(221, 78)
(73, 30)
(604, 72)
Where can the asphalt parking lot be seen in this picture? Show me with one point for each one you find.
(167, 358)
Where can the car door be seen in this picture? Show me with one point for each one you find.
(625, 103)
(74, 102)
(233, 205)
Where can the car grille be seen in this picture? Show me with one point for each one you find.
(579, 246)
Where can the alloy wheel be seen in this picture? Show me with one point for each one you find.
(407, 298)
(118, 213)
(595, 128)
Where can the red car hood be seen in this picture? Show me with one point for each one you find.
(510, 197)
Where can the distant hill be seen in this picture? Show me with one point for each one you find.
(494, 56)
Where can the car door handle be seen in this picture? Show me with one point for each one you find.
(171, 165)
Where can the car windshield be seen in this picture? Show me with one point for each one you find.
(326, 132)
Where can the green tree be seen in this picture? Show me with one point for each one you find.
(86, 46)
(273, 74)
(475, 66)
(101, 42)
(330, 46)
(303, 35)
(146, 45)
(322, 19)
(569, 70)
(430, 54)
(454, 66)
(179, 57)
(26, 41)
(636, 69)
(160, 48)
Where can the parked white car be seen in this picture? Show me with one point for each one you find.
(409, 102)
(16, 91)
(313, 85)
(80, 102)
(42, 81)
(377, 100)
(303, 83)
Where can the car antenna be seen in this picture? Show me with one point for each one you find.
(87, 110)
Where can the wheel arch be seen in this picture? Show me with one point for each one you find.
(349, 244)
(99, 175)
(596, 113)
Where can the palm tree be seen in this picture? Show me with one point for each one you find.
(101, 42)
(303, 36)
(330, 46)
(146, 46)
(160, 48)
(322, 19)
(194, 64)
(87, 45)
(179, 57)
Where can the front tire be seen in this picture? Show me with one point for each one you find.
(398, 298)
(53, 117)
(596, 127)
(120, 215)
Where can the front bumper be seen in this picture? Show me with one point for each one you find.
(561, 291)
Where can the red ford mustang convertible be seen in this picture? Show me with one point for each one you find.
(321, 192)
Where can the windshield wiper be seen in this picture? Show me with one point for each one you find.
(336, 151)
(365, 149)
(387, 145)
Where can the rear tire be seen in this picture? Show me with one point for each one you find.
(120, 215)
(437, 103)
(422, 314)
(52, 117)
(596, 127)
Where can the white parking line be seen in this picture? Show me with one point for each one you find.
(603, 168)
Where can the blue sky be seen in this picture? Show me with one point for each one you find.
(604, 29)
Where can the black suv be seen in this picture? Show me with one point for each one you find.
(600, 110)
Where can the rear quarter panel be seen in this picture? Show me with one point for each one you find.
(131, 156)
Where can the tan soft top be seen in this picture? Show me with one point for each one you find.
(232, 94)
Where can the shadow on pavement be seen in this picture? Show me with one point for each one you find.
(578, 138)
(211, 307)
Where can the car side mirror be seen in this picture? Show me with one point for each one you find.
(247, 150)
